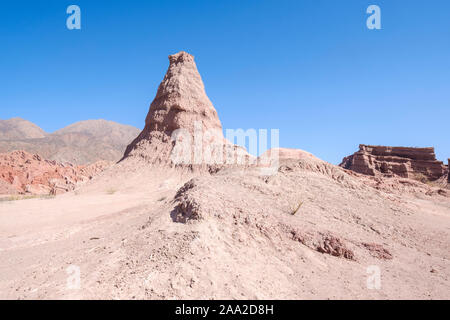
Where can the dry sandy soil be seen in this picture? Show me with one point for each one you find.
(145, 233)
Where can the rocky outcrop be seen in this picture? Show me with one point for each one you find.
(182, 126)
(414, 163)
(448, 171)
(25, 173)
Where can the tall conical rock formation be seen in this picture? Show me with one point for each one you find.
(181, 99)
(180, 106)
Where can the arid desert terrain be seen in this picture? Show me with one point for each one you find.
(144, 226)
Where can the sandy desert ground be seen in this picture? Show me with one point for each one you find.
(168, 234)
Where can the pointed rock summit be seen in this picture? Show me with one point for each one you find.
(181, 119)
(181, 99)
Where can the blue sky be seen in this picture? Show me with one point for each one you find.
(310, 68)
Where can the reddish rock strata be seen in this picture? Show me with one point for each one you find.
(414, 163)
(25, 173)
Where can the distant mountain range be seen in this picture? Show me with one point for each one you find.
(79, 143)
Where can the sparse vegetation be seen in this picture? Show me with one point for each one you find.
(296, 208)
(25, 197)
(111, 191)
(422, 178)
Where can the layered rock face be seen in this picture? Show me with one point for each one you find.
(181, 99)
(448, 170)
(25, 173)
(181, 119)
(414, 163)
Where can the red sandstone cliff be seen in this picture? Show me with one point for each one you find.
(414, 163)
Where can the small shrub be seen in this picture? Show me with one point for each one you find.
(422, 178)
(111, 191)
(26, 197)
(295, 208)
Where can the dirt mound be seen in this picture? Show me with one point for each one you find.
(312, 230)
(285, 153)
(24, 173)
(300, 187)
(313, 208)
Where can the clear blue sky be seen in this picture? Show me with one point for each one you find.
(310, 68)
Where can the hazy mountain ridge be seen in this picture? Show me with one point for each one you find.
(18, 128)
(79, 143)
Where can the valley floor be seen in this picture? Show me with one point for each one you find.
(232, 235)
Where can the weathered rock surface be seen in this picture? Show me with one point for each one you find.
(182, 125)
(25, 173)
(448, 170)
(413, 163)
